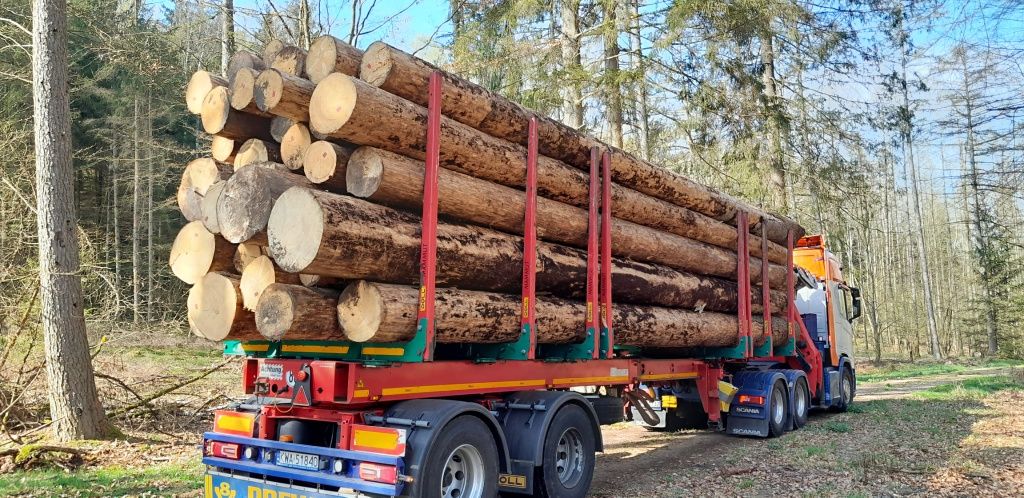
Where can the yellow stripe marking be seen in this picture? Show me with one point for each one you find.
(255, 347)
(384, 351)
(462, 387)
(313, 348)
(361, 393)
(584, 380)
(670, 376)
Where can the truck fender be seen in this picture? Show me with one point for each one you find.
(752, 420)
(430, 416)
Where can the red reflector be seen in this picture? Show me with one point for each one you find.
(746, 399)
(224, 450)
(378, 473)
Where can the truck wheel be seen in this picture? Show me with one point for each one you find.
(568, 455)
(777, 410)
(845, 391)
(801, 403)
(462, 462)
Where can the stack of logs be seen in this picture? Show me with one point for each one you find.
(304, 221)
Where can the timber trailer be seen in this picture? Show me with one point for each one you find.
(419, 419)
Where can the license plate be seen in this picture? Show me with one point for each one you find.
(298, 460)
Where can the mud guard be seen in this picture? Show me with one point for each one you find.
(752, 420)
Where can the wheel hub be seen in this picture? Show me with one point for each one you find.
(778, 407)
(569, 457)
(463, 474)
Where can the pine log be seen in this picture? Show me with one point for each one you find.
(189, 201)
(257, 276)
(282, 94)
(254, 151)
(248, 197)
(391, 179)
(408, 77)
(324, 164)
(220, 119)
(199, 85)
(270, 51)
(242, 91)
(247, 252)
(215, 310)
(310, 280)
(340, 236)
(351, 110)
(208, 207)
(223, 149)
(279, 126)
(328, 54)
(291, 60)
(196, 252)
(243, 59)
(293, 310)
(205, 172)
(294, 144)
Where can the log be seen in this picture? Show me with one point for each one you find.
(291, 60)
(199, 85)
(282, 94)
(208, 207)
(290, 310)
(244, 59)
(391, 179)
(340, 236)
(220, 119)
(215, 310)
(279, 126)
(243, 94)
(325, 164)
(408, 77)
(189, 201)
(328, 54)
(270, 50)
(351, 110)
(259, 274)
(249, 195)
(223, 149)
(196, 252)
(255, 150)
(247, 252)
(310, 280)
(205, 172)
(294, 144)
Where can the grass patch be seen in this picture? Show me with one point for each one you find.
(910, 370)
(840, 427)
(158, 480)
(814, 450)
(975, 388)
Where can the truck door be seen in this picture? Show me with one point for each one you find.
(842, 318)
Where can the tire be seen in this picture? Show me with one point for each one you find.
(846, 391)
(608, 409)
(568, 464)
(801, 403)
(466, 447)
(778, 410)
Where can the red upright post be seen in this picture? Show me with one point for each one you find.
(766, 290)
(528, 322)
(743, 281)
(428, 237)
(791, 314)
(592, 248)
(606, 251)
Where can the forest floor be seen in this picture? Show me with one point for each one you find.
(932, 429)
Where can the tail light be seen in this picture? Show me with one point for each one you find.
(387, 474)
(218, 449)
(746, 399)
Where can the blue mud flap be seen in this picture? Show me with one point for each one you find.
(220, 485)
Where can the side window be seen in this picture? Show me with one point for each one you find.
(847, 303)
(842, 305)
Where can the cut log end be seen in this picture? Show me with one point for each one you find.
(275, 312)
(329, 55)
(254, 151)
(209, 207)
(324, 160)
(360, 311)
(294, 144)
(270, 51)
(364, 171)
(332, 103)
(213, 309)
(258, 275)
(242, 88)
(376, 64)
(193, 252)
(243, 60)
(204, 173)
(199, 85)
(290, 60)
(270, 86)
(246, 253)
(215, 110)
(246, 201)
(223, 149)
(295, 229)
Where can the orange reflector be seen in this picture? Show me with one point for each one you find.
(746, 399)
(385, 440)
(236, 423)
(378, 473)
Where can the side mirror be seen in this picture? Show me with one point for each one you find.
(855, 294)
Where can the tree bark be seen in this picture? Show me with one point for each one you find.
(289, 310)
(227, 40)
(196, 252)
(290, 60)
(321, 233)
(279, 126)
(325, 163)
(220, 119)
(610, 80)
(75, 407)
(136, 215)
(198, 87)
(572, 67)
(259, 274)
(639, 66)
(215, 310)
(249, 195)
(329, 55)
(254, 151)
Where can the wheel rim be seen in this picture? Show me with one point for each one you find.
(847, 389)
(778, 407)
(463, 474)
(569, 457)
(801, 401)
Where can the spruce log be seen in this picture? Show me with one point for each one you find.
(282, 94)
(293, 310)
(351, 110)
(310, 280)
(204, 172)
(208, 207)
(291, 60)
(247, 252)
(215, 310)
(294, 144)
(391, 179)
(248, 197)
(196, 252)
(189, 201)
(220, 119)
(328, 54)
(270, 51)
(408, 77)
(244, 59)
(243, 92)
(199, 85)
(339, 236)
(255, 150)
(223, 149)
(325, 164)
(279, 126)
(259, 274)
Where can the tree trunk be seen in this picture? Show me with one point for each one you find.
(136, 214)
(610, 81)
(227, 36)
(639, 66)
(215, 310)
(149, 209)
(75, 408)
(329, 55)
(259, 274)
(289, 310)
(196, 252)
(572, 93)
(198, 87)
(245, 203)
(254, 151)
(282, 94)
(321, 233)
(220, 119)
(776, 167)
(325, 163)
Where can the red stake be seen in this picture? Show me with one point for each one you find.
(592, 248)
(743, 280)
(766, 290)
(606, 249)
(428, 237)
(528, 322)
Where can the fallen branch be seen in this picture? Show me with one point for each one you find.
(163, 392)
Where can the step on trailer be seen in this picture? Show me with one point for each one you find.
(362, 419)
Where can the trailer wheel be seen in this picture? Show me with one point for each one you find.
(801, 403)
(463, 461)
(568, 455)
(777, 410)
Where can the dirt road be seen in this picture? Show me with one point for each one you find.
(854, 453)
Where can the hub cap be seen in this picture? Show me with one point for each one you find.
(778, 407)
(847, 389)
(463, 473)
(801, 401)
(569, 458)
